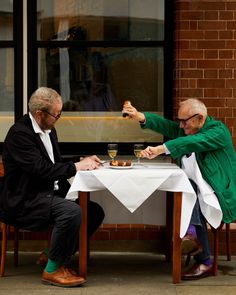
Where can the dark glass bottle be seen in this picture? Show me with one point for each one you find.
(126, 102)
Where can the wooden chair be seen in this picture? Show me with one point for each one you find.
(6, 229)
(216, 237)
(5, 232)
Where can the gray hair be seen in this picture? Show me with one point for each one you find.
(42, 99)
(194, 106)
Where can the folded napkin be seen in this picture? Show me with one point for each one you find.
(208, 201)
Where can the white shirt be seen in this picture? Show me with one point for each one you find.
(44, 136)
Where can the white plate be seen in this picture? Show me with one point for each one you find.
(121, 167)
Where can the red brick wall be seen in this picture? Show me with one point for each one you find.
(205, 65)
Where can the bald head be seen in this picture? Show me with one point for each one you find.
(193, 106)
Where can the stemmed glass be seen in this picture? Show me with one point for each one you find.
(112, 149)
(138, 147)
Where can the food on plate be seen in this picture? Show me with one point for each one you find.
(120, 163)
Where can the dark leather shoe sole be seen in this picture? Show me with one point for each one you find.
(198, 272)
(71, 285)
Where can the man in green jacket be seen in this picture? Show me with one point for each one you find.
(197, 140)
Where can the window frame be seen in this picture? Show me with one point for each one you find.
(88, 148)
(17, 45)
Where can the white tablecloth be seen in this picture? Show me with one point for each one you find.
(133, 186)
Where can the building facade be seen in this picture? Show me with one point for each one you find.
(197, 58)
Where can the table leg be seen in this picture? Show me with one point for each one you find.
(169, 226)
(176, 249)
(83, 250)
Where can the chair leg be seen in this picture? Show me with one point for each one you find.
(228, 241)
(4, 249)
(16, 246)
(216, 250)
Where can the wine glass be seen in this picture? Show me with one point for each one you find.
(138, 147)
(112, 149)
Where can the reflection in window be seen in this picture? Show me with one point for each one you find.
(98, 79)
(6, 90)
(95, 81)
(6, 20)
(7, 80)
(101, 20)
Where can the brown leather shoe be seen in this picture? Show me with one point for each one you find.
(62, 277)
(190, 245)
(198, 271)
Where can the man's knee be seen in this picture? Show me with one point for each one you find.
(75, 214)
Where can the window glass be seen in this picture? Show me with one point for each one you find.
(6, 20)
(101, 20)
(6, 90)
(94, 83)
(95, 80)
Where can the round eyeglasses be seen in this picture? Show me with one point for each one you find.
(55, 117)
(184, 121)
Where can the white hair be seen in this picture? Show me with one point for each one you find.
(42, 99)
(194, 106)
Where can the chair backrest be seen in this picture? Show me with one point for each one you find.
(1, 170)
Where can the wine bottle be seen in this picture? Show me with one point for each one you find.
(126, 102)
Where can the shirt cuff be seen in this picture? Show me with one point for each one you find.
(167, 152)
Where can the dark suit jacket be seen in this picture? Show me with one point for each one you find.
(28, 186)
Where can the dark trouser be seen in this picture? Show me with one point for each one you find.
(199, 221)
(66, 219)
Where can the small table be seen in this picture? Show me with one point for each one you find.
(141, 182)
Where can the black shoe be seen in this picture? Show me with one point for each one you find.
(198, 271)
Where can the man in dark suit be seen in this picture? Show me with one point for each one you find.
(35, 185)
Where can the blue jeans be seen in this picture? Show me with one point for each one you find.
(199, 222)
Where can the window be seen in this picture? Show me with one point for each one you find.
(96, 54)
(11, 64)
(7, 67)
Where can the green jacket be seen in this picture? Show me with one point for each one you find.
(214, 152)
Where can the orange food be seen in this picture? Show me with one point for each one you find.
(120, 163)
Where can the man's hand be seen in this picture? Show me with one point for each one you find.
(153, 151)
(133, 113)
(88, 163)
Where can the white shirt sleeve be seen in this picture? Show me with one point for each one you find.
(167, 152)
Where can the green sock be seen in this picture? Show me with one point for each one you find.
(51, 266)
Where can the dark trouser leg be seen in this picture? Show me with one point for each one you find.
(95, 217)
(202, 236)
(198, 220)
(66, 219)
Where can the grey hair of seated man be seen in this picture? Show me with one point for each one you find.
(43, 98)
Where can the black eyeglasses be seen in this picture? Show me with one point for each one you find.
(184, 121)
(55, 117)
